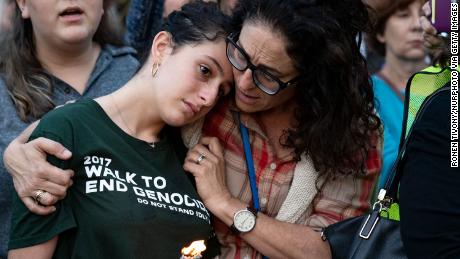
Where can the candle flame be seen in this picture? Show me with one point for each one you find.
(194, 249)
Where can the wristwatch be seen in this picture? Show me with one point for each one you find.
(244, 220)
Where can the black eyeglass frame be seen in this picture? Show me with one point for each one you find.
(282, 85)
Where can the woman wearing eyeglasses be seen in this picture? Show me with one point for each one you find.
(304, 106)
(303, 96)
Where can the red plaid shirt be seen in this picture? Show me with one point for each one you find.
(344, 197)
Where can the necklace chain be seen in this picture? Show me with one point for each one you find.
(152, 144)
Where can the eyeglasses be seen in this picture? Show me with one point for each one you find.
(265, 81)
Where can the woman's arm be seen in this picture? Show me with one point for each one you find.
(271, 237)
(26, 162)
(40, 251)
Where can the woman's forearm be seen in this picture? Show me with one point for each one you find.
(274, 238)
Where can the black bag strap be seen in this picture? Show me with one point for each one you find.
(392, 184)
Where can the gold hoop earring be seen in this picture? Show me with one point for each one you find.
(155, 68)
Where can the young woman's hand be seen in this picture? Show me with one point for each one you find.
(33, 176)
(206, 162)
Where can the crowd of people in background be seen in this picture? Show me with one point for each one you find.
(255, 123)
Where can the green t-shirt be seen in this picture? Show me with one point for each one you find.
(128, 200)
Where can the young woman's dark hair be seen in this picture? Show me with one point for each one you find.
(188, 27)
(29, 85)
(335, 109)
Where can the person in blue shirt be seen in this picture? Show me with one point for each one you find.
(397, 37)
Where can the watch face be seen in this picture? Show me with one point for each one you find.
(244, 221)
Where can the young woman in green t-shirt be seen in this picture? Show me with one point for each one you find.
(131, 197)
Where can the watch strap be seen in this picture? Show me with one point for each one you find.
(234, 229)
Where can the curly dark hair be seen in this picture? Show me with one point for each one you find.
(335, 109)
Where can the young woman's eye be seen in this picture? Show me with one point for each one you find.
(402, 14)
(205, 70)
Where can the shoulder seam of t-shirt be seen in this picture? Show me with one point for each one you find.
(41, 132)
(46, 134)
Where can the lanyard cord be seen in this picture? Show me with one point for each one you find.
(250, 165)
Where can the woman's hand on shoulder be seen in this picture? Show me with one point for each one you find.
(207, 164)
(34, 177)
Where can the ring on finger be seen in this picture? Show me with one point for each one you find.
(200, 158)
(38, 195)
